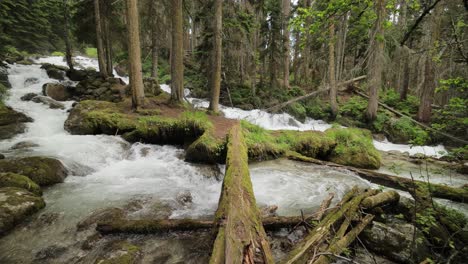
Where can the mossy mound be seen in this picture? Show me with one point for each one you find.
(354, 147)
(42, 170)
(207, 148)
(120, 252)
(15, 205)
(15, 180)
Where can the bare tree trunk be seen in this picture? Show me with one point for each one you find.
(177, 53)
(100, 45)
(216, 56)
(68, 49)
(331, 68)
(107, 39)
(154, 41)
(376, 61)
(134, 54)
(429, 84)
(286, 11)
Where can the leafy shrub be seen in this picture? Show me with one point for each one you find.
(298, 111)
(392, 99)
(403, 129)
(354, 107)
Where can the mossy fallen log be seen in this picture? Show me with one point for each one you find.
(381, 199)
(240, 236)
(400, 183)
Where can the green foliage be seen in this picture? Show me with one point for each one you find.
(355, 107)
(392, 99)
(406, 128)
(91, 52)
(3, 92)
(452, 119)
(58, 53)
(298, 111)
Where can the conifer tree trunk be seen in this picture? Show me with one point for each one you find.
(177, 53)
(68, 49)
(107, 39)
(286, 11)
(216, 56)
(134, 54)
(154, 41)
(331, 68)
(100, 45)
(376, 61)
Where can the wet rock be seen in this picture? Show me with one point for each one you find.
(4, 77)
(50, 252)
(42, 170)
(57, 91)
(462, 168)
(77, 75)
(396, 242)
(24, 145)
(184, 198)
(151, 86)
(48, 101)
(9, 179)
(122, 68)
(2, 156)
(365, 257)
(30, 81)
(90, 241)
(11, 122)
(269, 211)
(119, 252)
(55, 71)
(48, 218)
(379, 137)
(108, 214)
(15, 205)
(28, 96)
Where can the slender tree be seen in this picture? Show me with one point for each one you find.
(68, 49)
(134, 54)
(177, 53)
(100, 45)
(107, 36)
(154, 40)
(215, 81)
(376, 61)
(286, 10)
(331, 68)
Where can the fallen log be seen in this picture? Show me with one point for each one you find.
(240, 235)
(380, 199)
(152, 226)
(400, 183)
(303, 97)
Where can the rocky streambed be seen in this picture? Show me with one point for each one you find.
(91, 178)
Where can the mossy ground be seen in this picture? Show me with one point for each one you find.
(204, 135)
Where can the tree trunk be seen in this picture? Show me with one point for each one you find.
(430, 82)
(100, 45)
(376, 63)
(177, 53)
(216, 55)
(134, 54)
(331, 68)
(107, 39)
(68, 49)
(286, 11)
(154, 41)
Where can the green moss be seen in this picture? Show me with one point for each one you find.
(298, 111)
(42, 170)
(91, 52)
(58, 53)
(15, 180)
(261, 144)
(354, 147)
(207, 148)
(120, 252)
(403, 130)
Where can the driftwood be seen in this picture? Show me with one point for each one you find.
(240, 235)
(400, 183)
(414, 121)
(303, 97)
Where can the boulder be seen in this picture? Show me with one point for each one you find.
(151, 86)
(395, 242)
(122, 68)
(4, 77)
(2, 156)
(76, 75)
(55, 71)
(24, 145)
(48, 101)
(9, 131)
(28, 96)
(42, 170)
(11, 122)
(9, 179)
(57, 91)
(15, 205)
(30, 81)
(108, 214)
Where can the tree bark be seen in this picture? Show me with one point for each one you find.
(68, 49)
(107, 38)
(216, 55)
(100, 45)
(331, 68)
(240, 236)
(154, 41)
(134, 54)
(177, 53)
(286, 11)
(376, 65)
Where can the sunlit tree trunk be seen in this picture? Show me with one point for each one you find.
(331, 68)
(286, 11)
(100, 45)
(216, 56)
(376, 61)
(134, 54)
(177, 53)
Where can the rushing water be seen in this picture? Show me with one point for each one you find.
(107, 171)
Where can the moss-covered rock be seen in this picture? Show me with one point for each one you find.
(42, 170)
(15, 205)
(354, 147)
(9, 179)
(120, 252)
(11, 122)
